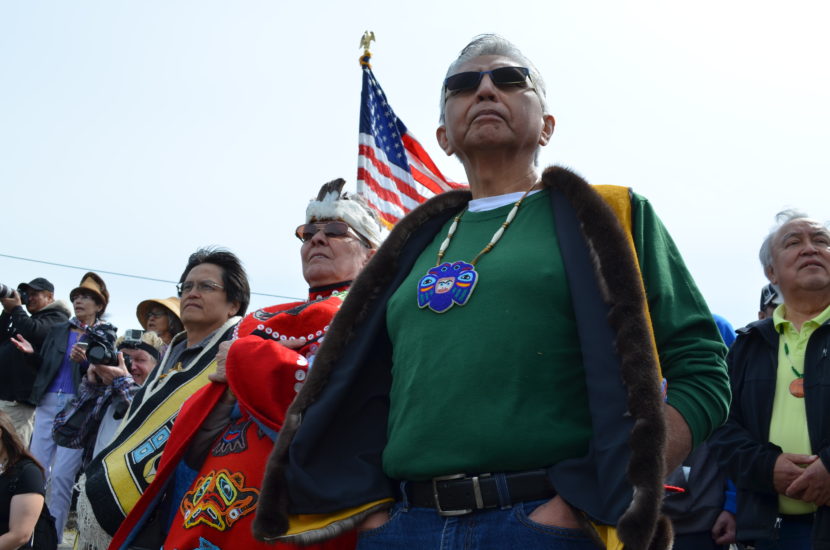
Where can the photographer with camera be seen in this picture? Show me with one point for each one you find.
(106, 392)
(16, 375)
(61, 364)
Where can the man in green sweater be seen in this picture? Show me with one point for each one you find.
(495, 375)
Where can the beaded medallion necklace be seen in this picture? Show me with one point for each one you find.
(797, 385)
(448, 283)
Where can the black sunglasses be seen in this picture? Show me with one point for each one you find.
(503, 76)
(333, 229)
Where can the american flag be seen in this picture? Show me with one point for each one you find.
(394, 172)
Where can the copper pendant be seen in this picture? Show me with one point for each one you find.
(797, 387)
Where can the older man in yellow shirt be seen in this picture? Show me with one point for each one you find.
(776, 443)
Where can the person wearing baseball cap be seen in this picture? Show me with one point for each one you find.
(35, 295)
(770, 299)
(38, 283)
(17, 377)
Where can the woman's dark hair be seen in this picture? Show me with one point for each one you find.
(12, 443)
(234, 278)
(174, 323)
(95, 298)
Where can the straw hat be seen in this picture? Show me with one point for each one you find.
(94, 284)
(171, 304)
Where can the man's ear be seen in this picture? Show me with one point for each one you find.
(235, 305)
(443, 142)
(770, 273)
(547, 129)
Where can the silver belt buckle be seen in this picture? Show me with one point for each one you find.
(464, 511)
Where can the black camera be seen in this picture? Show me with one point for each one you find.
(7, 292)
(101, 340)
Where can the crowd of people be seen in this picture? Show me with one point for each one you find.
(527, 363)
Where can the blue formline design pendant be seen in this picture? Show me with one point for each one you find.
(445, 285)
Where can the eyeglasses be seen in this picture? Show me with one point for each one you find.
(202, 286)
(83, 296)
(501, 77)
(332, 229)
(155, 314)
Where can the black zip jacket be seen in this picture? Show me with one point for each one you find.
(17, 373)
(742, 445)
(48, 362)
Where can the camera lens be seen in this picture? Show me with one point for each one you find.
(96, 354)
(100, 355)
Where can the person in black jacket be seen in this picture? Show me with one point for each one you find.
(16, 374)
(776, 442)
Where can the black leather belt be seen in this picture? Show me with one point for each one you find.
(460, 494)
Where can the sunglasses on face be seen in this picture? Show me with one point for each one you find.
(501, 77)
(333, 229)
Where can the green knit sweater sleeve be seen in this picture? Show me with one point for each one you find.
(692, 353)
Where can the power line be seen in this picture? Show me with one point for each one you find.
(128, 275)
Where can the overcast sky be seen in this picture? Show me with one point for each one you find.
(132, 133)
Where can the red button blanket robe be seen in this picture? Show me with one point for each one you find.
(218, 506)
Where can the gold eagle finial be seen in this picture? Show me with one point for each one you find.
(366, 40)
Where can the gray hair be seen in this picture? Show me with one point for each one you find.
(781, 219)
(493, 44)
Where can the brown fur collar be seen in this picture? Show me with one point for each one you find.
(640, 527)
(618, 275)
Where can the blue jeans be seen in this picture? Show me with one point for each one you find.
(422, 528)
(61, 463)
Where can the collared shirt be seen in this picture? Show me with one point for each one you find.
(181, 355)
(788, 425)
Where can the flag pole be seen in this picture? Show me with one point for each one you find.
(394, 171)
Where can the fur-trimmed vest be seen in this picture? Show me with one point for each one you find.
(325, 476)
